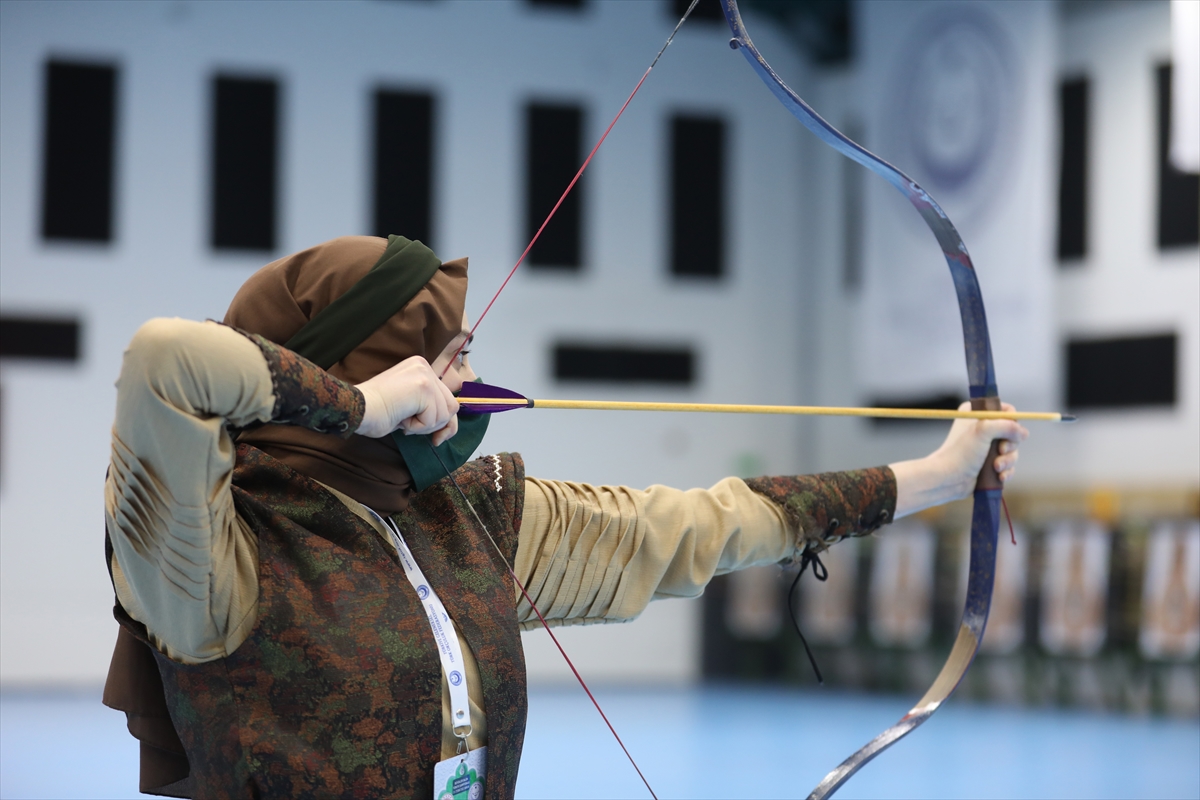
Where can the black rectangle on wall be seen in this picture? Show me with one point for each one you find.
(1072, 176)
(938, 402)
(78, 151)
(624, 364)
(1122, 373)
(552, 157)
(697, 196)
(33, 337)
(403, 177)
(245, 156)
(706, 10)
(1178, 192)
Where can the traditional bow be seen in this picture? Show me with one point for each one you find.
(985, 519)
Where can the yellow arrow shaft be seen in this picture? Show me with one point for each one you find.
(726, 408)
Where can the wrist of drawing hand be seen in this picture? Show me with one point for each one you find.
(374, 412)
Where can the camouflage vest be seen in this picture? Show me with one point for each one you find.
(337, 691)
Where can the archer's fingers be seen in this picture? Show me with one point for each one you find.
(1009, 431)
(439, 411)
(447, 432)
(1019, 431)
(1006, 463)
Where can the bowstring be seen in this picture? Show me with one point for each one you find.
(570, 186)
(545, 624)
(1008, 517)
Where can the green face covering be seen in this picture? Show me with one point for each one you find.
(424, 465)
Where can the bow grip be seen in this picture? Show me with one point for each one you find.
(988, 477)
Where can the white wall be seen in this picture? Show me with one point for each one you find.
(484, 61)
(1125, 286)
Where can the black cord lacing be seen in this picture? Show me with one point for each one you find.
(821, 574)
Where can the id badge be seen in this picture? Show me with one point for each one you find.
(461, 777)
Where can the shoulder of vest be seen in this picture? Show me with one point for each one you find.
(496, 481)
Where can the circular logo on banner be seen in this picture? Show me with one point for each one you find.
(455, 677)
(955, 107)
(422, 591)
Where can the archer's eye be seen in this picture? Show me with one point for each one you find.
(462, 355)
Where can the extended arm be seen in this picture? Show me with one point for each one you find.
(593, 554)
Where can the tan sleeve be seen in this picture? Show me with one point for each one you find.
(592, 554)
(184, 564)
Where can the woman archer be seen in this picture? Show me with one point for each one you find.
(309, 607)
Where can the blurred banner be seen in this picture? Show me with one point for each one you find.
(959, 102)
(753, 610)
(1075, 588)
(1171, 593)
(827, 609)
(1005, 632)
(902, 586)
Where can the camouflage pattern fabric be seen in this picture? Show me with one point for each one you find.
(337, 691)
(307, 395)
(832, 506)
(479, 592)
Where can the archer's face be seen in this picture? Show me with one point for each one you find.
(459, 371)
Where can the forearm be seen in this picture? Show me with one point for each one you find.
(924, 483)
(591, 554)
(825, 508)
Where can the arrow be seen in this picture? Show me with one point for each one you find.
(481, 398)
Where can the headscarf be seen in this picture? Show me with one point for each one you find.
(280, 299)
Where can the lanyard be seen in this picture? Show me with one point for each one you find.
(449, 650)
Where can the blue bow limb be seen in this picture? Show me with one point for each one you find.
(981, 374)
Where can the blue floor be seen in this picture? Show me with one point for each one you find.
(708, 742)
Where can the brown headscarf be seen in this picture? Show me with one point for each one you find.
(279, 299)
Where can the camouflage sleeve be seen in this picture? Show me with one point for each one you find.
(307, 395)
(832, 506)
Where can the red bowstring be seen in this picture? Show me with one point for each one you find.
(1008, 517)
(533, 605)
(549, 216)
(567, 191)
(579, 677)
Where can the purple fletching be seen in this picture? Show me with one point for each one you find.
(487, 391)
